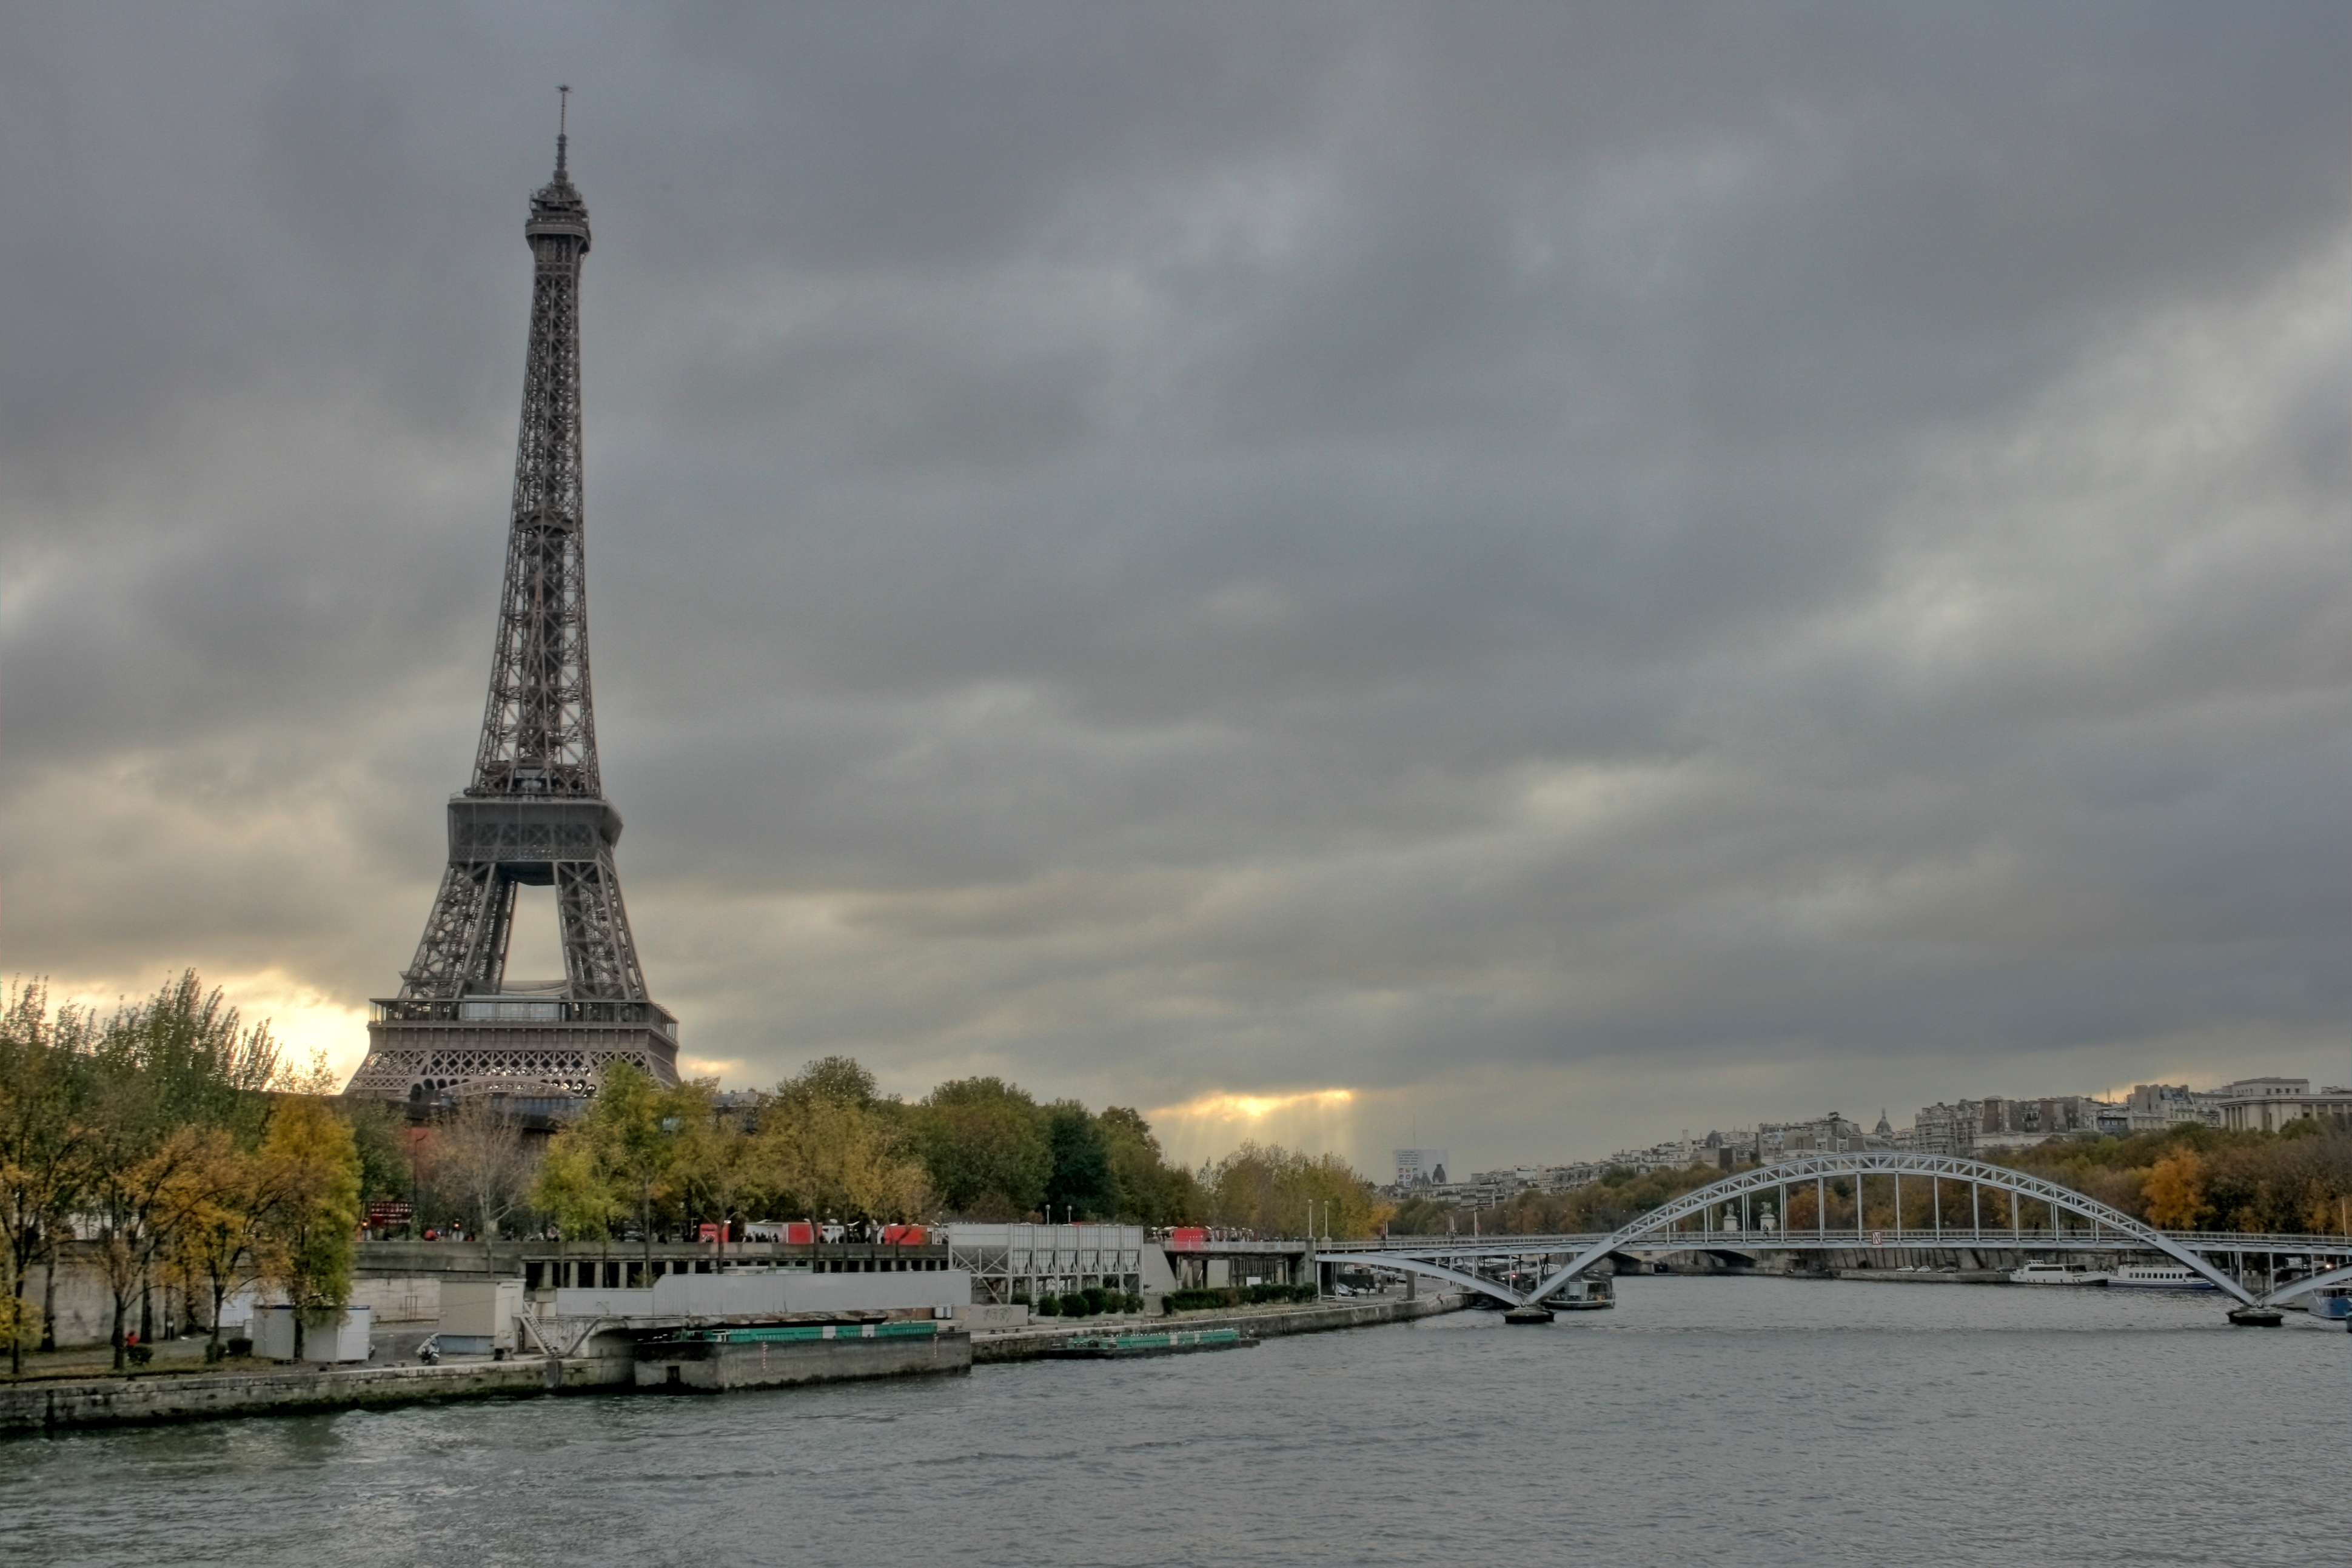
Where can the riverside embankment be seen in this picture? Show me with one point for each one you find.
(52, 1404)
(59, 1404)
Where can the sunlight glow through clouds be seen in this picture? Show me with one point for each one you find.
(1208, 1125)
(307, 1022)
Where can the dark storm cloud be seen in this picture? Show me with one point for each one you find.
(1712, 557)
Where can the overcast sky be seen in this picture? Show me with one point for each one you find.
(1571, 573)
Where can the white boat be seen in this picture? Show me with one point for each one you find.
(2160, 1277)
(2058, 1274)
(2333, 1302)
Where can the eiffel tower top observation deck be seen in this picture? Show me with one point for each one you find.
(535, 812)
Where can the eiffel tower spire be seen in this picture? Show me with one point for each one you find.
(535, 812)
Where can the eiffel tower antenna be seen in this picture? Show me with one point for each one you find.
(535, 812)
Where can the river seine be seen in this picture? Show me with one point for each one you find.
(1703, 1421)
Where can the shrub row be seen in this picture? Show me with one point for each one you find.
(1237, 1296)
(1091, 1302)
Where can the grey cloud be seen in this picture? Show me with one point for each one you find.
(1193, 548)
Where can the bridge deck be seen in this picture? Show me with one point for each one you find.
(1988, 1238)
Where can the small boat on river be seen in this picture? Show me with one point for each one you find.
(2160, 1277)
(2058, 1274)
(2333, 1302)
(1173, 1342)
(1595, 1295)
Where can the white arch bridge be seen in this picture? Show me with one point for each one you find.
(1728, 1217)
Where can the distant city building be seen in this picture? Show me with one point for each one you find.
(2264, 1089)
(1561, 1178)
(1962, 1129)
(1952, 1130)
(2002, 1124)
(1831, 1134)
(2268, 1104)
(1422, 1167)
(2154, 1106)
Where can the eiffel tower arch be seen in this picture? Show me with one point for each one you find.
(535, 813)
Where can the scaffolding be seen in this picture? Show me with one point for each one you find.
(1024, 1262)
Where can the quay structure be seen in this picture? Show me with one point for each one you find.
(686, 1320)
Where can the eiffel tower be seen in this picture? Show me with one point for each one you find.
(535, 812)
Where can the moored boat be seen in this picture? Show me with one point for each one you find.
(2160, 1277)
(1594, 1295)
(1173, 1342)
(2333, 1302)
(2058, 1274)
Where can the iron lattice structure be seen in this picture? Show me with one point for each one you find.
(535, 813)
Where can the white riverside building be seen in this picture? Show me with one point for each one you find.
(778, 1291)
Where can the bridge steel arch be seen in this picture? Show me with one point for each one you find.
(1811, 1168)
(1423, 1267)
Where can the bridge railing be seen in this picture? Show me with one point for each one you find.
(1910, 1236)
(2258, 1240)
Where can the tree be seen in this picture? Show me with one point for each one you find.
(572, 1189)
(198, 1065)
(158, 1072)
(1150, 1190)
(482, 1160)
(214, 1222)
(307, 1193)
(135, 1153)
(842, 1081)
(388, 1159)
(716, 1168)
(1081, 1184)
(1268, 1189)
(2174, 1190)
(43, 1138)
(631, 1145)
(983, 1145)
(829, 1159)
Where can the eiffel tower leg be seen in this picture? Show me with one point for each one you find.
(449, 951)
(600, 957)
(486, 957)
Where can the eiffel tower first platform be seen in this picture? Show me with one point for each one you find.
(536, 810)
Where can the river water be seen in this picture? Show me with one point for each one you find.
(1705, 1421)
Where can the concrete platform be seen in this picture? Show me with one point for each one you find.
(1265, 1322)
(785, 1356)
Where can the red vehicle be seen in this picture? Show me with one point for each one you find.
(902, 1236)
(1188, 1238)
